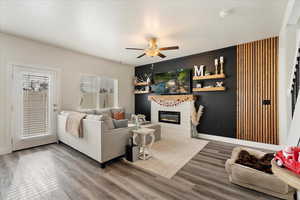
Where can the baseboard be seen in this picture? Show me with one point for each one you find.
(5, 150)
(242, 142)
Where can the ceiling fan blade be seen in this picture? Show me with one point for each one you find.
(134, 49)
(141, 55)
(169, 48)
(161, 55)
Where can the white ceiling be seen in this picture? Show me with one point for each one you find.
(104, 28)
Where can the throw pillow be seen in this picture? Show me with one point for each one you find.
(120, 123)
(108, 121)
(118, 115)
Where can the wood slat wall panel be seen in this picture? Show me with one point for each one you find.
(257, 64)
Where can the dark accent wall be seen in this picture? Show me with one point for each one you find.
(219, 117)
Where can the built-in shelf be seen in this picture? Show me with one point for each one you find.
(141, 92)
(209, 89)
(215, 76)
(142, 84)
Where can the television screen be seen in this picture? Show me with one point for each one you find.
(174, 82)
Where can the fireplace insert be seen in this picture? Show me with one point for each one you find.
(169, 117)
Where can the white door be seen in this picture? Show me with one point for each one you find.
(34, 107)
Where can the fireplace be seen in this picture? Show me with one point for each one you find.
(169, 117)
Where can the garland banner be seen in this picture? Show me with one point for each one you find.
(171, 100)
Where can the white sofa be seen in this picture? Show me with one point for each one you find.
(96, 143)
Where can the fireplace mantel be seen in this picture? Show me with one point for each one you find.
(181, 98)
(181, 104)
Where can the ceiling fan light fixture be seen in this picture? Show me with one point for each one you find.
(152, 52)
(153, 49)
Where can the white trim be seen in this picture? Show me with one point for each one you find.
(242, 142)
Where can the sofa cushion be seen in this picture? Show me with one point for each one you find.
(105, 111)
(257, 178)
(87, 111)
(123, 123)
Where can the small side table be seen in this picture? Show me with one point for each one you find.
(145, 154)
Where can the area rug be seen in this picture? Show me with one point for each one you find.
(170, 154)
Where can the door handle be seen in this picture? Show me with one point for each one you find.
(55, 107)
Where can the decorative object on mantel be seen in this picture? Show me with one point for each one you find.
(199, 71)
(145, 78)
(198, 85)
(198, 75)
(142, 84)
(219, 83)
(221, 62)
(216, 66)
(138, 119)
(207, 73)
(170, 100)
(195, 118)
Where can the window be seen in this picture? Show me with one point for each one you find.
(98, 92)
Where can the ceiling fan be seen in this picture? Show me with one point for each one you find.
(153, 49)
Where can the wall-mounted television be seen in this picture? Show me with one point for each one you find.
(173, 82)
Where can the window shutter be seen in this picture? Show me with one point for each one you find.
(35, 105)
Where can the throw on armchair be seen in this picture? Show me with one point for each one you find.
(255, 179)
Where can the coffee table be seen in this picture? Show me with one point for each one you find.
(145, 153)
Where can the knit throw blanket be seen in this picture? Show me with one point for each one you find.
(74, 124)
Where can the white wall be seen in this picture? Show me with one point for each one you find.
(71, 64)
(293, 134)
(288, 44)
(288, 41)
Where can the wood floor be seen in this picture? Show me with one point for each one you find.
(60, 173)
